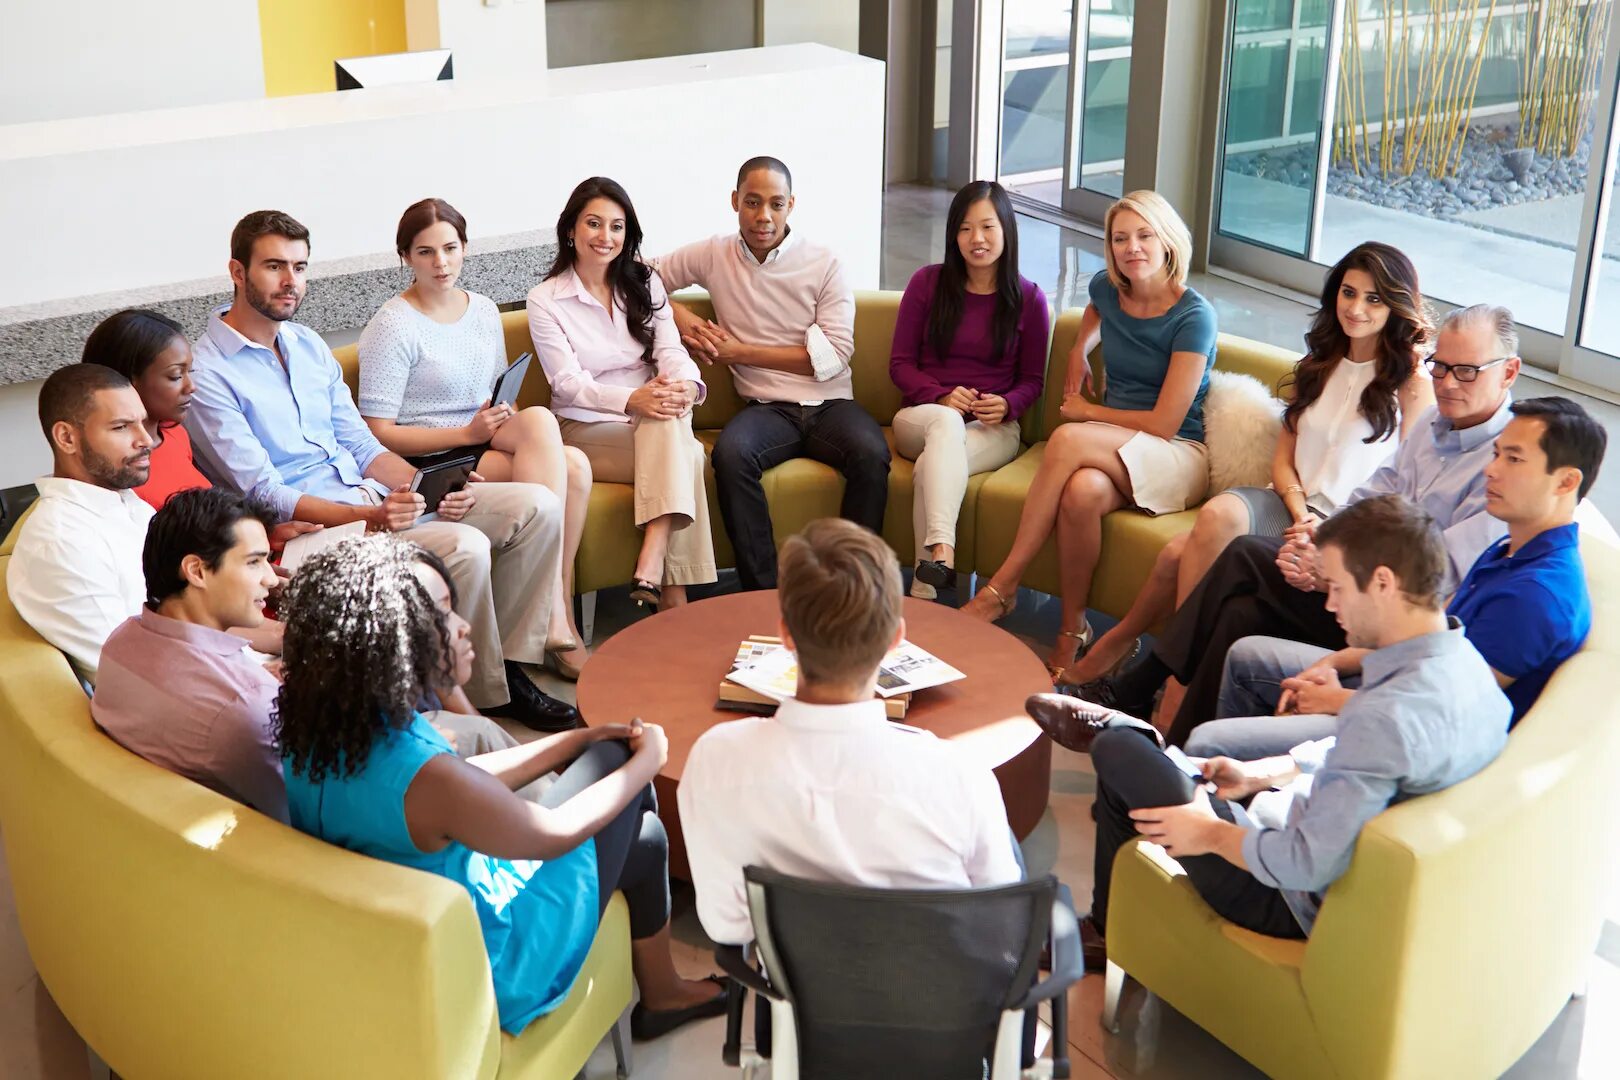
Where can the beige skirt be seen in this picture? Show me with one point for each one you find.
(1167, 475)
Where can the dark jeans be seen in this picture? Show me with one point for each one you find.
(1132, 774)
(838, 433)
(1243, 594)
(632, 850)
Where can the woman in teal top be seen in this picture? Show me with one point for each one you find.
(371, 628)
(1143, 445)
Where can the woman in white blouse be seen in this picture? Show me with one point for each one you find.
(623, 385)
(429, 359)
(1357, 391)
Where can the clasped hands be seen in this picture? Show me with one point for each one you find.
(1298, 560)
(662, 398)
(1314, 691)
(987, 409)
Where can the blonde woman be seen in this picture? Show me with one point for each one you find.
(1144, 444)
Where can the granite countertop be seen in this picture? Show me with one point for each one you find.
(36, 339)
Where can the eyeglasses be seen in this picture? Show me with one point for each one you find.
(1461, 372)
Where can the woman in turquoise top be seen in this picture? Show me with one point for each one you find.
(371, 627)
(1143, 445)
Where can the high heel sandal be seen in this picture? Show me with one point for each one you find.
(1084, 638)
(1003, 602)
(1113, 669)
(646, 593)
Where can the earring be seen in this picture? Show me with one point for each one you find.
(568, 241)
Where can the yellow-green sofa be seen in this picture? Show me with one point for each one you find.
(1465, 922)
(186, 937)
(802, 490)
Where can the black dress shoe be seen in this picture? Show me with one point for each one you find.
(936, 573)
(648, 1023)
(1105, 692)
(1074, 722)
(533, 708)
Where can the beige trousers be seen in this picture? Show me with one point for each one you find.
(503, 558)
(664, 462)
(947, 450)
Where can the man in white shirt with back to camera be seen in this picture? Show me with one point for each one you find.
(803, 792)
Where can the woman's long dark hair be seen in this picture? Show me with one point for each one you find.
(364, 644)
(627, 274)
(1406, 334)
(950, 290)
(130, 340)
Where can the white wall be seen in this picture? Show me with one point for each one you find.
(62, 58)
(485, 42)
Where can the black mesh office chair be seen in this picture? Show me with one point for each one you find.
(882, 983)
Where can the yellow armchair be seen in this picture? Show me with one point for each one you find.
(186, 936)
(1465, 922)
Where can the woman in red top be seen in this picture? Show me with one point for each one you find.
(151, 351)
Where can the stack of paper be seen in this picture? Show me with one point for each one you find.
(765, 673)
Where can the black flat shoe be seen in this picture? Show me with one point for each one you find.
(648, 1023)
(936, 573)
(646, 593)
(533, 708)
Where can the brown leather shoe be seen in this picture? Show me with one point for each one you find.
(1073, 722)
(1093, 946)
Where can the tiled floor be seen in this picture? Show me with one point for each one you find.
(1155, 1041)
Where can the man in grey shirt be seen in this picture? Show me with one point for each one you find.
(1428, 715)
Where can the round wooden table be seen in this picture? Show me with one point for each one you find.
(667, 669)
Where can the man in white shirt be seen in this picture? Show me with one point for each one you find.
(786, 328)
(75, 573)
(803, 792)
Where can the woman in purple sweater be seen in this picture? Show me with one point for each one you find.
(969, 357)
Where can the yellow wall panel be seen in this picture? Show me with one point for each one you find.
(301, 38)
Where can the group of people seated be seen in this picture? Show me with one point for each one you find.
(1367, 628)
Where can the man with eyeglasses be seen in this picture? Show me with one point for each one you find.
(1272, 586)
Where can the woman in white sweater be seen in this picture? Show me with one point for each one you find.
(1357, 392)
(429, 359)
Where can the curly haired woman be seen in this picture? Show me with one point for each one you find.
(370, 628)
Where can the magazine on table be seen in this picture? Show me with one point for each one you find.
(770, 669)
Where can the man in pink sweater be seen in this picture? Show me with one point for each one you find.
(785, 326)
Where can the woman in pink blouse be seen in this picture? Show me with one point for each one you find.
(623, 386)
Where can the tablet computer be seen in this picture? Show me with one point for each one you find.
(436, 481)
(510, 382)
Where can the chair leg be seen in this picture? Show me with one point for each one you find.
(621, 1043)
(587, 616)
(1114, 982)
(1060, 1037)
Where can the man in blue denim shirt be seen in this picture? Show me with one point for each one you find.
(272, 420)
(1428, 715)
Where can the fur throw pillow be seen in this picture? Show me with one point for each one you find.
(1241, 423)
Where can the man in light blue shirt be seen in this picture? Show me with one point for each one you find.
(273, 420)
(1428, 715)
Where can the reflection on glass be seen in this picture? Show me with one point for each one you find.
(1034, 99)
(1463, 137)
(1273, 122)
(1108, 82)
(1600, 323)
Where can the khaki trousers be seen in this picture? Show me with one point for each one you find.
(947, 449)
(503, 559)
(664, 462)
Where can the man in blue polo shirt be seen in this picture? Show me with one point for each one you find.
(1524, 604)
